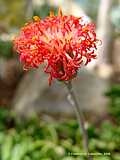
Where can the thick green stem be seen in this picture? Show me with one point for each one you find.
(80, 117)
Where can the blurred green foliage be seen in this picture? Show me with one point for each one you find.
(35, 139)
(12, 13)
(38, 11)
(6, 49)
(44, 10)
(114, 94)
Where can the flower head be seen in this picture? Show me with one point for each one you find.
(63, 42)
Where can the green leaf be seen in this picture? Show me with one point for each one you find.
(6, 148)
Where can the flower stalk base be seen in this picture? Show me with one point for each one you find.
(80, 117)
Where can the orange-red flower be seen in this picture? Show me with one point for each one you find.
(63, 42)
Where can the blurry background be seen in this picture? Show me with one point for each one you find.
(24, 94)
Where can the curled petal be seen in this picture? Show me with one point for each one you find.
(61, 41)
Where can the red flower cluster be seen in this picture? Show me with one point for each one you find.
(63, 42)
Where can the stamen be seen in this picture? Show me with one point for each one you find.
(36, 18)
(59, 12)
(51, 13)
